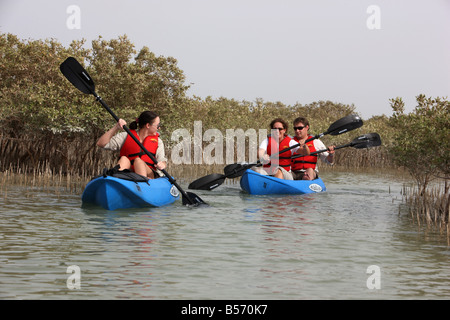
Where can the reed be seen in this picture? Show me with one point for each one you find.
(43, 176)
(363, 158)
(429, 207)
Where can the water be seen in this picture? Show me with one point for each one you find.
(316, 246)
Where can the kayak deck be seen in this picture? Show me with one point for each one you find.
(113, 193)
(255, 183)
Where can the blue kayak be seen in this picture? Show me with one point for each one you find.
(122, 191)
(253, 182)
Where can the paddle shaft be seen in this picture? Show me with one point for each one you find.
(354, 143)
(321, 151)
(258, 163)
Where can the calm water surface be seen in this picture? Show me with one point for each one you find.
(241, 247)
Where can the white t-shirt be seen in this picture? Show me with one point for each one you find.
(318, 145)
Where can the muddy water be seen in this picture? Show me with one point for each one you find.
(351, 242)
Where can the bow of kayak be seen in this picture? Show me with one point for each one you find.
(113, 193)
(253, 182)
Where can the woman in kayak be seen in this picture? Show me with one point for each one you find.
(131, 155)
(279, 165)
(305, 168)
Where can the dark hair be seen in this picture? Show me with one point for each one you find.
(302, 120)
(285, 125)
(144, 118)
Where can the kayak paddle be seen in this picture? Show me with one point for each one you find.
(79, 77)
(235, 170)
(362, 142)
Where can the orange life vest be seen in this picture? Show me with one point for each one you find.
(131, 149)
(305, 162)
(284, 158)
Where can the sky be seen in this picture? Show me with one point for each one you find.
(360, 52)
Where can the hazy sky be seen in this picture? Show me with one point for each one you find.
(349, 51)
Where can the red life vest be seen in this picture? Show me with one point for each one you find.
(284, 158)
(131, 149)
(306, 162)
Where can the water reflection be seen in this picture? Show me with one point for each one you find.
(286, 231)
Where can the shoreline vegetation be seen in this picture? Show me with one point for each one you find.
(49, 130)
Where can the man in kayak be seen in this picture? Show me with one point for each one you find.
(279, 165)
(131, 155)
(305, 168)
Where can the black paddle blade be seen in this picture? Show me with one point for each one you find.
(76, 74)
(208, 182)
(367, 141)
(194, 200)
(345, 124)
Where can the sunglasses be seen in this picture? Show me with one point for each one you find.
(279, 129)
(299, 128)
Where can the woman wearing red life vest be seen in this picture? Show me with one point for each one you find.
(278, 166)
(305, 168)
(131, 155)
